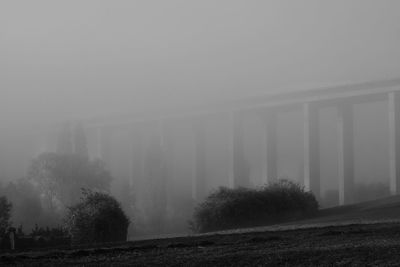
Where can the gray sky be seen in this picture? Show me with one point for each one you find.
(72, 58)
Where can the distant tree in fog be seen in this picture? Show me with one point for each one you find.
(72, 140)
(64, 140)
(5, 214)
(27, 209)
(80, 142)
(60, 177)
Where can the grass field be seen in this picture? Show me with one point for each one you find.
(366, 234)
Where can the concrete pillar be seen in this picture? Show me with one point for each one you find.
(98, 142)
(139, 174)
(168, 152)
(104, 135)
(240, 166)
(346, 153)
(156, 152)
(231, 150)
(311, 149)
(394, 141)
(199, 177)
(137, 160)
(238, 174)
(271, 158)
(154, 176)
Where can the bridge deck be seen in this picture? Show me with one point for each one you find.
(366, 91)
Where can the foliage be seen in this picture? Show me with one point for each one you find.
(40, 237)
(5, 214)
(97, 218)
(64, 140)
(229, 208)
(48, 232)
(27, 208)
(59, 177)
(80, 142)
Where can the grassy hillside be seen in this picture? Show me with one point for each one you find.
(382, 209)
(336, 236)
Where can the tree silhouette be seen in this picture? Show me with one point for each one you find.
(64, 140)
(80, 142)
(5, 214)
(59, 177)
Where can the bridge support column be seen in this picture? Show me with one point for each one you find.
(238, 173)
(154, 175)
(199, 176)
(104, 136)
(394, 141)
(240, 167)
(231, 151)
(346, 153)
(271, 158)
(137, 164)
(168, 155)
(311, 150)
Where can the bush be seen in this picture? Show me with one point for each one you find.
(47, 232)
(231, 208)
(39, 238)
(98, 218)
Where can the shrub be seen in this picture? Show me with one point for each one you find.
(231, 208)
(27, 207)
(98, 218)
(39, 238)
(47, 232)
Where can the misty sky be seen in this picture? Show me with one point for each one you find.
(73, 58)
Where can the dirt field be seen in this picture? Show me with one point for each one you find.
(366, 234)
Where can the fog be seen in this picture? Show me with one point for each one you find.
(63, 59)
(76, 60)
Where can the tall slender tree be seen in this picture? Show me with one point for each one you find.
(80, 142)
(64, 142)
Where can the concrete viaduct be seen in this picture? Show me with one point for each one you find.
(308, 102)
